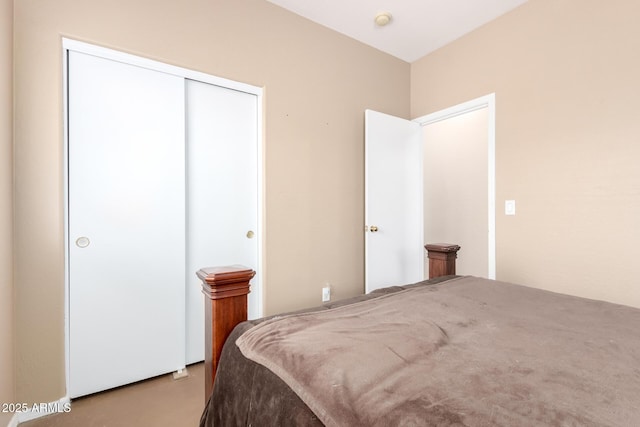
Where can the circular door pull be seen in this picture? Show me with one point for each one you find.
(250, 234)
(82, 242)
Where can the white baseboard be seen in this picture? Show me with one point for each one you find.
(13, 422)
(38, 410)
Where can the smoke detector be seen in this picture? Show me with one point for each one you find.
(382, 19)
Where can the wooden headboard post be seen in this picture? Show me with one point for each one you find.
(442, 259)
(226, 290)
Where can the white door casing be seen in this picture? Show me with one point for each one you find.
(455, 188)
(488, 102)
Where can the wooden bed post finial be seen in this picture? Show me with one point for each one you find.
(442, 259)
(226, 290)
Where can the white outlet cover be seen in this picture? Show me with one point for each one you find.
(509, 207)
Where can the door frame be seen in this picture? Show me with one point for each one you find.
(489, 102)
(82, 47)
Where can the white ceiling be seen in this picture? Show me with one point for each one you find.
(417, 28)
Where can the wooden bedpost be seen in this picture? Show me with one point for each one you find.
(442, 259)
(226, 290)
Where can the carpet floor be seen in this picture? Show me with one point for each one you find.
(159, 402)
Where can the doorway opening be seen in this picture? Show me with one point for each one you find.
(459, 182)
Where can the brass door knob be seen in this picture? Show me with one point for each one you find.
(250, 234)
(373, 228)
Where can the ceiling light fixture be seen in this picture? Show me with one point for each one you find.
(382, 19)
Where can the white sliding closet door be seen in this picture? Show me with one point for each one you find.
(126, 223)
(222, 193)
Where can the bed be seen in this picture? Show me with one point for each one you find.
(454, 350)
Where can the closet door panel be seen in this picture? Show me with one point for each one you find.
(222, 197)
(126, 223)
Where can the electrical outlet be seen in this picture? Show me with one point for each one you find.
(509, 207)
(326, 294)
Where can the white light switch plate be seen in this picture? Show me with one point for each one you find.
(509, 207)
(326, 294)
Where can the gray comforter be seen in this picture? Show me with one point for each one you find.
(467, 351)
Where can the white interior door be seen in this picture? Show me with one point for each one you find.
(394, 250)
(126, 223)
(222, 199)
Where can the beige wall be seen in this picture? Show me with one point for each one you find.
(7, 389)
(317, 85)
(565, 74)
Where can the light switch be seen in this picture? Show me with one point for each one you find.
(509, 207)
